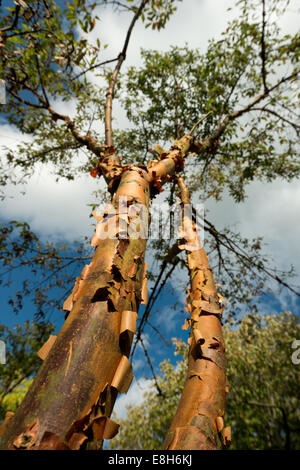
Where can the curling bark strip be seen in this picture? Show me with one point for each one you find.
(72, 396)
(198, 421)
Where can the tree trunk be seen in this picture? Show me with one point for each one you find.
(72, 396)
(198, 421)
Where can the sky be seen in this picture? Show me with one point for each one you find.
(59, 210)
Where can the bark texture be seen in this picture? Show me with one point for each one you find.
(72, 396)
(198, 422)
(71, 399)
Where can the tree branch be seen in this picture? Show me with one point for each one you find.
(112, 83)
(212, 142)
(234, 248)
(294, 125)
(41, 80)
(159, 334)
(14, 23)
(86, 140)
(262, 96)
(28, 103)
(94, 67)
(119, 4)
(151, 367)
(171, 255)
(233, 88)
(12, 386)
(198, 122)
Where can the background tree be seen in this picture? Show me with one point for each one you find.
(22, 344)
(263, 404)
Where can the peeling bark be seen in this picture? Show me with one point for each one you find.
(198, 421)
(72, 396)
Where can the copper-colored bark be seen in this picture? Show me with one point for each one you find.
(197, 422)
(73, 394)
(113, 79)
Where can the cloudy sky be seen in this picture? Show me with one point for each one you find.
(59, 209)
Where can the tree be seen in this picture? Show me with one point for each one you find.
(12, 400)
(22, 362)
(43, 60)
(262, 403)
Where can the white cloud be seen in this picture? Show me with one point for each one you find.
(137, 365)
(10, 136)
(146, 342)
(168, 318)
(194, 23)
(54, 208)
(271, 210)
(134, 397)
(65, 107)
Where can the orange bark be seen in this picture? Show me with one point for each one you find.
(73, 394)
(198, 422)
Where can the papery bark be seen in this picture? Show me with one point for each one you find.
(72, 395)
(198, 422)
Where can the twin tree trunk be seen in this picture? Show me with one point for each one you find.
(198, 421)
(69, 403)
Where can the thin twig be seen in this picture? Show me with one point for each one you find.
(263, 47)
(293, 124)
(198, 122)
(212, 142)
(94, 67)
(151, 367)
(159, 334)
(15, 21)
(242, 255)
(112, 83)
(171, 255)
